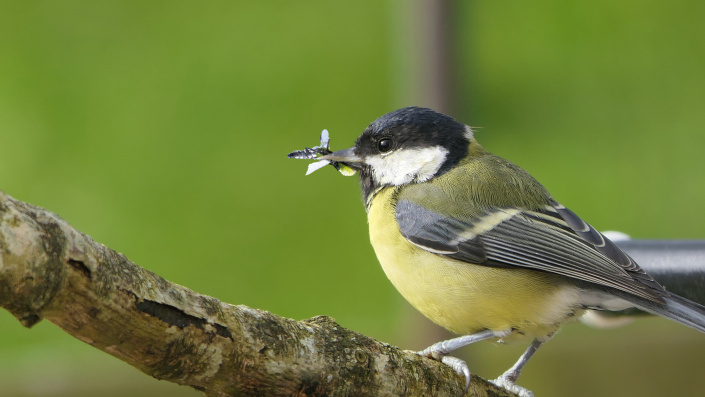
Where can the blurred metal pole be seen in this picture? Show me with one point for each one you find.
(438, 55)
(425, 54)
(679, 265)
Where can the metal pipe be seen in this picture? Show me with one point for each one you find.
(679, 265)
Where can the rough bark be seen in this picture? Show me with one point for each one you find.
(50, 270)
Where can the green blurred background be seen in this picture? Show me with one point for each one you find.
(160, 129)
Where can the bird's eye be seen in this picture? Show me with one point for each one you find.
(384, 145)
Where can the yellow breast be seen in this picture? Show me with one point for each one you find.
(463, 297)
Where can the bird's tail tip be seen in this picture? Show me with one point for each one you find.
(683, 311)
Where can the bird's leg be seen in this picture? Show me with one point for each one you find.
(439, 351)
(508, 379)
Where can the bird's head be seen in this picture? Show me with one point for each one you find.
(409, 145)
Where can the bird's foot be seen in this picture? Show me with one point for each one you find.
(508, 381)
(439, 351)
(458, 365)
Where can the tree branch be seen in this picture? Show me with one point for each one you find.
(50, 270)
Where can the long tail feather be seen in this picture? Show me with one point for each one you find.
(678, 309)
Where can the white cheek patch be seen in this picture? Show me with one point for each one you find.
(468, 133)
(407, 165)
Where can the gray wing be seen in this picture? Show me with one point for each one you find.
(552, 239)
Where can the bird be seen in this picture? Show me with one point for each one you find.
(481, 248)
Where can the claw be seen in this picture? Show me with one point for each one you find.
(439, 351)
(459, 366)
(507, 383)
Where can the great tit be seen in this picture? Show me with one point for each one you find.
(480, 247)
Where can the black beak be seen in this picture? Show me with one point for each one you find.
(343, 156)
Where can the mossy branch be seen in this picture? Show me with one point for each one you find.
(50, 270)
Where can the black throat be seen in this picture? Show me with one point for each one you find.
(368, 184)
